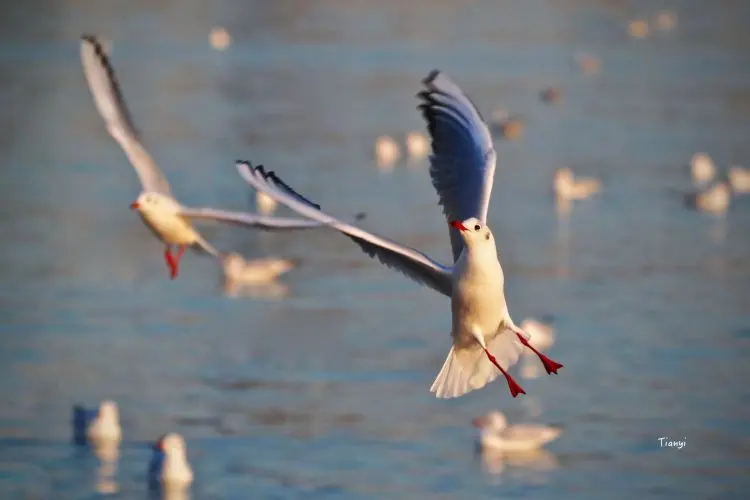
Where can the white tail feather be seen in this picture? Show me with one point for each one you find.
(467, 368)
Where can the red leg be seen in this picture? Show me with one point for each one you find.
(515, 389)
(171, 264)
(176, 268)
(549, 365)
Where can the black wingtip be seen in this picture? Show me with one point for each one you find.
(275, 179)
(431, 77)
(94, 41)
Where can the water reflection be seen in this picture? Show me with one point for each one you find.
(272, 291)
(108, 455)
(530, 466)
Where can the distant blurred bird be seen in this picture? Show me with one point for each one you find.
(168, 467)
(387, 152)
(417, 144)
(239, 272)
(98, 427)
(739, 179)
(462, 168)
(509, 127)
(264, 204)
(160, 212)
(219, 38)
(638, 28)
(567, 187)
(587, 63)
(666, 20)
(543, 336)
(496, 435)
(714, 200)
(702, 169)
(551, 95)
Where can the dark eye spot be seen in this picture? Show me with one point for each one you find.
(477, 227)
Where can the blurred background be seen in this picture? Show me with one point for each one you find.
(323, 393)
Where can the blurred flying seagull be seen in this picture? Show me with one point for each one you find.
(158, 209)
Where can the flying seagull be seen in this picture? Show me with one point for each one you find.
(167, 219)
(462, 168)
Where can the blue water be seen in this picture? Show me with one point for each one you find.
(324, 393)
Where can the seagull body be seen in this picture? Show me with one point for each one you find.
(568, 187)
(542, 336)
(417, 144)
(739, 179)
(714, 200)
(387, 152)
(264, 204)
(702, 169)
(462, 169)
(160, 212)
(169, 466)
(238, 271)
(99, 426)
(497, 435)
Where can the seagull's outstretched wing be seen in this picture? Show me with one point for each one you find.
(408, 261)
(111, 105)
(462, 164)
(266, 222)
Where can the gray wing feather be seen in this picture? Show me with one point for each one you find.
(462, 164)
(266, 222)
(408, 261)
(111, 106)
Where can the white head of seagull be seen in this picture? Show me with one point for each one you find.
(474, 233)
(486, 342)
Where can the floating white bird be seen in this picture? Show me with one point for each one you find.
(666, 20)
(568, 187)
(702, 169)
(638, 28)
(264, 204)
(219, 38)
(462, 171)
(387, 152)
(99, 427)
(542, 336)
(714, 200)
(587, 63)
(169, 466)
(496, 435)
(739, 179)
(160, 212)
(239, 272)
(417, 144)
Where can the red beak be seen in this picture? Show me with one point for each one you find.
(458, 225)
(135, 205)
(478, 422)
(159, 445)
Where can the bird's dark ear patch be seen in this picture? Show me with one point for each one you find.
(487, 236)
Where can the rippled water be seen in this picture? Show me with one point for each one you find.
(324, 393)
